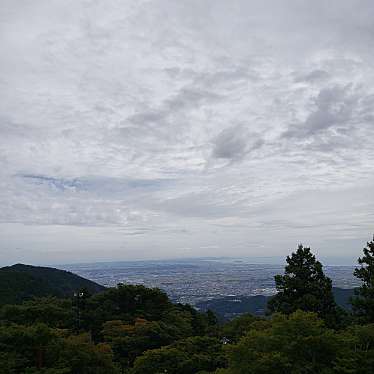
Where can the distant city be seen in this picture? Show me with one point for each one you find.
(196, 280)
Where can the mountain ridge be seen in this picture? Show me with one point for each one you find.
(232, 306)
(20, 282)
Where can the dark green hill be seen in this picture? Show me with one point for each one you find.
(230, 307)
(342, 297)
(22, 282)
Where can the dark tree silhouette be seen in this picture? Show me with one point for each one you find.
(304, 286)
(363, 302)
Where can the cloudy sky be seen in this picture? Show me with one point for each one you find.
(163, 129)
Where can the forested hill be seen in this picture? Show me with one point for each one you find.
(21, 282)
(232, 306)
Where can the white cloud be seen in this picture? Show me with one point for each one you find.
(150, 124)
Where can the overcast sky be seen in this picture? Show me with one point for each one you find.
(158, 129)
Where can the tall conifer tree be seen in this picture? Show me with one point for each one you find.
(304, 286)
(363, 302)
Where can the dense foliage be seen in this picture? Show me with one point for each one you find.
(137, 330)
(104, 333)
(301, 343)
(363, 303)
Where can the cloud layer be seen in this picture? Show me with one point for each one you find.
(160, 128)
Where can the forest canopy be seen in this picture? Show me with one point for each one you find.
(138, 330)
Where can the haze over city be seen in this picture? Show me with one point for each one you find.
(173, 129)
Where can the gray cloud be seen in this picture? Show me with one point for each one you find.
(313, 76)
(234, 143)
(333, 107)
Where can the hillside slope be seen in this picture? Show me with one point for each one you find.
(21, 282)
(232, 306)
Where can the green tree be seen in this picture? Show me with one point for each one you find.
(299, 343)
(211, 317)
(81, 356)
(40, 349)
(239, 326)
(34, 346)
(356, 353)
(363, 302)
(126, 303)
(188, 356)
(51, 311)
(304, 286)
(158, 361)
(200, 322)
(130, 340)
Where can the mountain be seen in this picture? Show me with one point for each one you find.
(230, 307)
(21, 282)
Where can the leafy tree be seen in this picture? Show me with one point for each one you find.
(181, 321)
(130, 340)
(356, 353)
(211, 317)
(163, 360)
(51, 311)
(126, 303)
(304, 286)
(238, 327)
(81, 356)
(11, 362)
(187, 356)
(34, 345)
(296, 344)
(300, 343)
(200, 322)
(40, 349)
(363, 302)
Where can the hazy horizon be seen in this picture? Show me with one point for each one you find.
(272, 260)
(173, 129)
